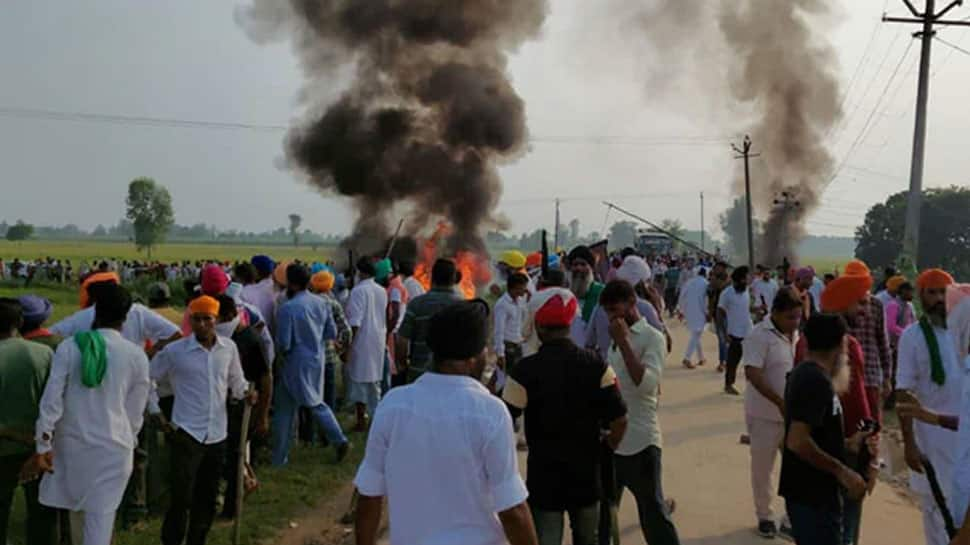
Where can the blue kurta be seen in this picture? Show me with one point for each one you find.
(304, 324)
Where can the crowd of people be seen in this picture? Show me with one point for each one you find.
(563, 359)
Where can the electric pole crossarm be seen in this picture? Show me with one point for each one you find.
(912, 8)
(887, 19)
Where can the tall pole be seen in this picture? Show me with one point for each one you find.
(555, 238)
(927, 19)
(744, 152)
(703, 247)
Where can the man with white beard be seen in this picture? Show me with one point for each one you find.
(586, 289)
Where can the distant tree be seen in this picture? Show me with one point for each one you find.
(623, 234)
(99, 231)
(150, 211)
(676, 228)
(19, 231)
(3, 228)
(295, 221)
(944, 233)
(733, 222)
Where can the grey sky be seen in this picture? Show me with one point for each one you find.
(598, 129)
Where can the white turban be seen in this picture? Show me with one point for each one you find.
(634, 270)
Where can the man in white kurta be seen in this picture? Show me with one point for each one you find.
(367, 316)
(939, 391)
(89, 421)
(693, 306)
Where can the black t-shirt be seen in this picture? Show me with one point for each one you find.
(250, 346)
(809, 398)
(569, 393)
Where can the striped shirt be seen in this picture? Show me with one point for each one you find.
(417, 319)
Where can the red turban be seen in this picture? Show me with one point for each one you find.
(557, 312)
(845, 290)
(94, 279)
(533, 260)
(934, 279)
(214, 280)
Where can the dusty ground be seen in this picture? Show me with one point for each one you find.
(705, 470)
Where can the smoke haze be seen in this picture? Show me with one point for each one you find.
(429, 112)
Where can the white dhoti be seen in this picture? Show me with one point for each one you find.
(92, 528)
(933, 526)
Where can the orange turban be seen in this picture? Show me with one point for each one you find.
(322, 282)
(845, 290)
(934, 279)
(858, 269)
(894, 282)
(279, 274)
(204, 305)
(94, 279)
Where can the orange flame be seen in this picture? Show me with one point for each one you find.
(474, 268)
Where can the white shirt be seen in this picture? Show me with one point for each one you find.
(201, 380)
(92, 431)
(643, 427)
(262, 295)
(142, 324)
(764, 292)
(443, 452)
(366, 311)
(770, 350)
(913, 374)
(738, 309)
(693, 303)
(508, 322)
(816, 291)
(884, 297)
(961, 473)
(413, 287)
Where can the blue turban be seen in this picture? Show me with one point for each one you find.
(553, 261)
(264, 264)
(318, 267)
(36, 310)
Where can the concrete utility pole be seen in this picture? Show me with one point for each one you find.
(555, 239)
(927, 19)
(744, 152)
(703, 247)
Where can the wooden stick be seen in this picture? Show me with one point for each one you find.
(397, 232)
(241, 471)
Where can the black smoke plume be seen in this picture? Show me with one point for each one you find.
(429, 112)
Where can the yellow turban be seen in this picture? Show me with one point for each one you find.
(322, 282)
(204, 305)
(513, 258)
(845, 290)
(934, 279)
(894, 282)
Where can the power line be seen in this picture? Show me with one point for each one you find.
(952, 45)
(875, 75)
(858, 69)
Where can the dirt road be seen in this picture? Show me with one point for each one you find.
(706, 469)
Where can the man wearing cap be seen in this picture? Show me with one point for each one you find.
(442, 449)
(203, 371)
(304, 325)
(24, 368)
(412, 350)
(262, 294)
(36, 311)
(90, 415)
(637, 357)
(322, 284)
(929, 370)
(869, 327)
(367, 315)
(565, 393)
(584, 286)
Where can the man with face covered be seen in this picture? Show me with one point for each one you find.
(442, 449)
(584, 286)
(930, 371)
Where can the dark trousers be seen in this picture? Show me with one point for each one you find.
(671, 295)
(513, 353)
(42, 521)
(196, 469)
(583, 522)
(233, 452)
(641, 473)
(812, 525)
(733, 360)
(330, 386)
(851, 520)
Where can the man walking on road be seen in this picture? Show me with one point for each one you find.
(869, 327)
(769, 354)
(637, 358)
(930, 371)
(813, 467)
(565, 392)
(734, 318)
(443, 452)
(693, 307)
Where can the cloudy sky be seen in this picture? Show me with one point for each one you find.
(600, 128)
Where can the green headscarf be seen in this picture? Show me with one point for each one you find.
(382, 270)
(94, 357)
(937, 373)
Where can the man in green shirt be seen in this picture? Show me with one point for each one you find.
(24, 368)
(413, 353)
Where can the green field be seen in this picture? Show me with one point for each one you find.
(91, 251)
